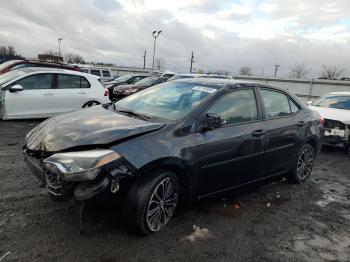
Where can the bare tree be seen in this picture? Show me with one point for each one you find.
(74, 59)
(244, 70)
(331, 72)
(9, 50)
(299, 71)
(160, 64)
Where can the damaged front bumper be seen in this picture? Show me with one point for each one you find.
(107, 180)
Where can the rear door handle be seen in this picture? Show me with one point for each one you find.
(258, 133)
(301, 123)
(81, 93)
(48, 94)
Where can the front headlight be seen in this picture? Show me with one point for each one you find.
(80, 165)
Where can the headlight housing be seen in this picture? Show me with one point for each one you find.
(80, 165)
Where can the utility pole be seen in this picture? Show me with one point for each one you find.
(192, 61)
(155, 35)
(276, 69)
(144, 60)
(59, 48)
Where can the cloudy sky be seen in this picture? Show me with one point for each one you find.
(224, 34)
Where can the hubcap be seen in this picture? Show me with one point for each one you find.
(162, 204)
(305, 163)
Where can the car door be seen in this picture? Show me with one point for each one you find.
(71, 93)
(232, 154)
(35, 100)
(285, 125)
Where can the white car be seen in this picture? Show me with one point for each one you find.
(44, 92)
(335, 109)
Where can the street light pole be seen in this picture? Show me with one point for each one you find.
(155, 35)
(59, 47)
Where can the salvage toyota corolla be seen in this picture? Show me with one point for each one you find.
(181, 140)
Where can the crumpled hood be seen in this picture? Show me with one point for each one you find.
(93, 126)
(341, 115)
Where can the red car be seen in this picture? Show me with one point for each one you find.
(15, 64)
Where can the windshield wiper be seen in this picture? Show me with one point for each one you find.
(143, 117)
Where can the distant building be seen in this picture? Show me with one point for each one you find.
(5, 58)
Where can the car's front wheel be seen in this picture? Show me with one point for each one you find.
(151, 202)
(303, 165)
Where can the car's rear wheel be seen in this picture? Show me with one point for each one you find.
(151, 202)
(303, 165)
(90, 104)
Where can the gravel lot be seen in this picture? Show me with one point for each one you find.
(265, 222)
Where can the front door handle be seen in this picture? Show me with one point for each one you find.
(48, 94)
(301, 123)
(258, 133)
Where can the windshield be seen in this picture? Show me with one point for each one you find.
(146, 81)
(6, 64)
(334, 101)
(11, 75)
(170, 100)
(122, 79)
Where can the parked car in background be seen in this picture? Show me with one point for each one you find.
(335, 109)
(179, 140)
(168, 74)
(122, 91)
(105, 74)
(180, 76)
(16, 64)
(44, 92)
(125, 79)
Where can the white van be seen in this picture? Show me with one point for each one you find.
(104, 73)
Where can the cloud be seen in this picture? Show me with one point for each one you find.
(223, 34)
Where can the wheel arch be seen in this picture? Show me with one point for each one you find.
(177, 166)
(90, 100)
(313, 142)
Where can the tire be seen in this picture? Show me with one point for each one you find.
(303, 165)
(146, 209)
(90, 104)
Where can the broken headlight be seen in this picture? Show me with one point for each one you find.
(81, 165)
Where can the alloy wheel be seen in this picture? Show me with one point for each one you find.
(162, 204)
(305, 163)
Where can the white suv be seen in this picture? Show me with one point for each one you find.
(44, 92)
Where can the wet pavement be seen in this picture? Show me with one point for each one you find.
(269, 221)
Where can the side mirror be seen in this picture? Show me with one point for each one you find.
(16, 88)
(309, 103)
(214, 121)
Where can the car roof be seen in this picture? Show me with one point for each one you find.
(29, 70)
(220, 82)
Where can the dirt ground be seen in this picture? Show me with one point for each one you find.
(266, 222)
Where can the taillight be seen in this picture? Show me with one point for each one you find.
(106, 92)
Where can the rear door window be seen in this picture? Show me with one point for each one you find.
(276, 103)
(38, 81)
(72, 82)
